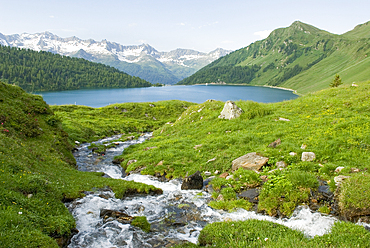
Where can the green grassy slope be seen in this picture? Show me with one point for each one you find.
(360, 31)
(300, 57)
(333, 123)
(87, 124)
(37, 173)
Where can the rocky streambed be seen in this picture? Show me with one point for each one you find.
(175, 216)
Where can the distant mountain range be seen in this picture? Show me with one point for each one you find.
(142, 60)
(300, 57)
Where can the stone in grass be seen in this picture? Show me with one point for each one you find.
(230, 111)
(220, 197)
(339, 180)
(251, 195)
(281, 164)
(275, 143)
(229, 177)
(308, 156)
(224, 175)
(207, 173)
(250, 161)
(339, 169)
(194, 181)
(131, 161)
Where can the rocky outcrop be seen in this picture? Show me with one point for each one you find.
(250, 161)
(194, 181)
(230, 111)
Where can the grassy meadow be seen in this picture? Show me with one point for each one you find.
(86, 124)
(332, 123)
(38, 170)
(38, 174)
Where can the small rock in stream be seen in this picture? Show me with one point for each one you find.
(194, 181)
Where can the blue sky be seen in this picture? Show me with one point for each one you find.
(202, 25)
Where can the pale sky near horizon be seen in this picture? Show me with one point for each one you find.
(202, 25)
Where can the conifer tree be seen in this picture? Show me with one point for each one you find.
(336, 82)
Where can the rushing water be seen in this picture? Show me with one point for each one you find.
(194, 93)
(176, 215)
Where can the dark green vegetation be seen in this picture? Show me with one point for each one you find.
(336, 82)
(37, 173)
(45, 71)
(88, 124)
(141, 222)
(255, 233)
(300, 57)
(333, 123)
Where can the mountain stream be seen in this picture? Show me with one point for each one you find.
(175, 216)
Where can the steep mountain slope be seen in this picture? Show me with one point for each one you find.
(301, 57)
(142, 61)
(45, 71)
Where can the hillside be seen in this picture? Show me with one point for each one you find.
(37, 174)
(87, 124)
(45, 71)
(141, 61)
(300, 57)
(332, 123)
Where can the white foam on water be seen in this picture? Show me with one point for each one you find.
(159, 209)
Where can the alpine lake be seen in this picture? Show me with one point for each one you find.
(195, 93)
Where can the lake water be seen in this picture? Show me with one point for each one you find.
(193, 93)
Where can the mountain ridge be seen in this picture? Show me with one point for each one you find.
(143, 60)
(300, 57)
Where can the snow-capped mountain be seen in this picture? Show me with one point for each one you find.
(141, 60)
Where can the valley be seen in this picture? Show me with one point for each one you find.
(175, 173)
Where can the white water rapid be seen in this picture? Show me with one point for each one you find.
(175, 216)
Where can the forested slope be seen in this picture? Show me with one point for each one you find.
(45, 71)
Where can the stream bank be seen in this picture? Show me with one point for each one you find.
(176, 216)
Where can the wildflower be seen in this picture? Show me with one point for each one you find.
(19, 212)
(266, 239)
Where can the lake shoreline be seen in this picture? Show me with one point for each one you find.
(267, 86)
